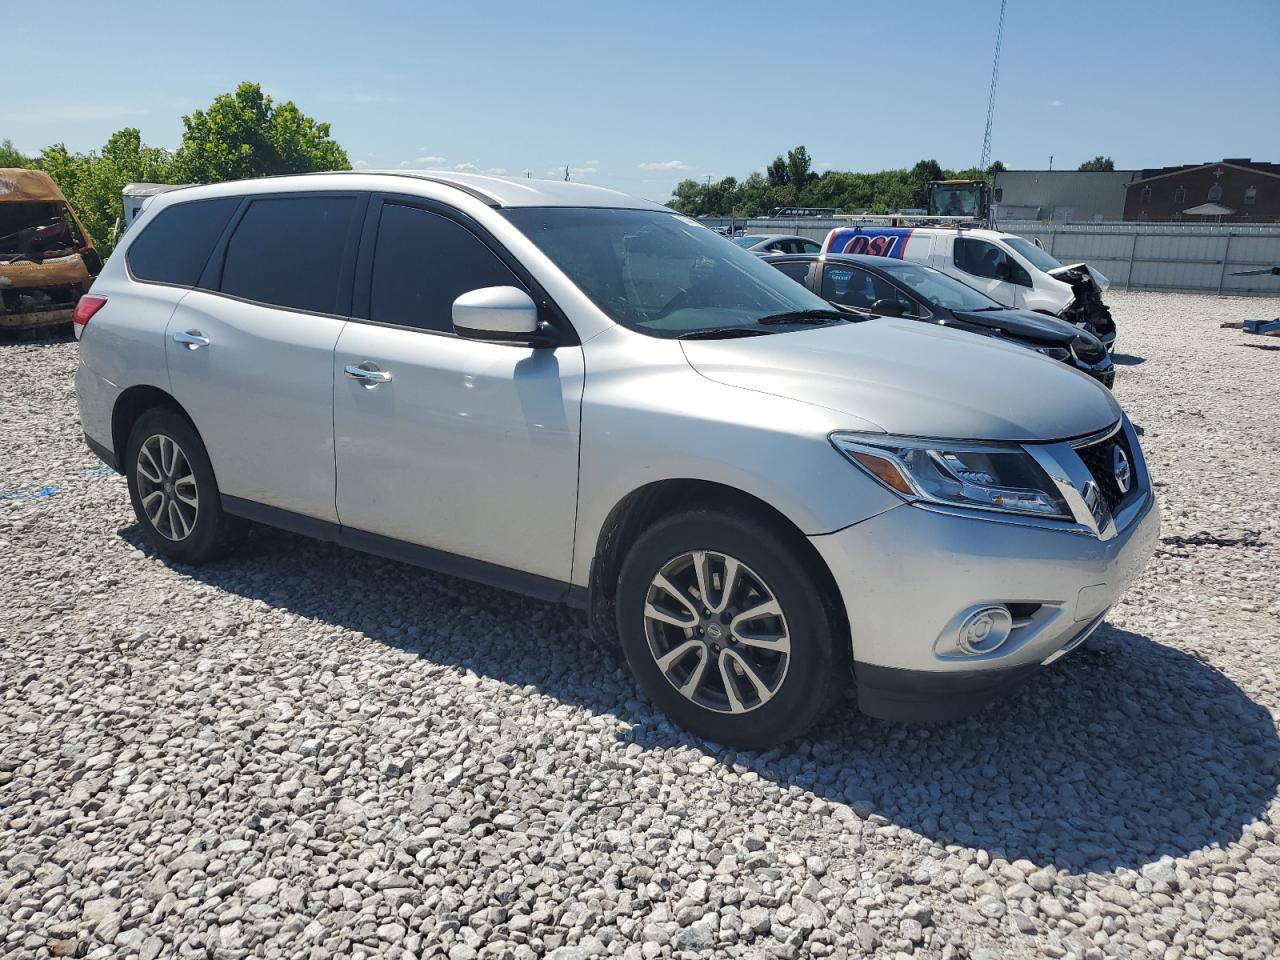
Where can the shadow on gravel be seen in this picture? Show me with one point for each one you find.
(1123, 752)
(1127, 359)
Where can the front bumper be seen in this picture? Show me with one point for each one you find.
(907, 575)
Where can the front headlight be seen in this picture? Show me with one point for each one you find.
(1057, 353)
(1089, 348)
(980, 476)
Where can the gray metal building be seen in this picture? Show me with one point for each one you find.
(1061, 196)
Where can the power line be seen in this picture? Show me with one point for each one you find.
(991, 101)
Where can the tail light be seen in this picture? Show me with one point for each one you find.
(85, 309)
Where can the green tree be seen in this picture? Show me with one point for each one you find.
(247, 134)
(92, 182)
(1098, 163)
(798, 167)
(11, 156)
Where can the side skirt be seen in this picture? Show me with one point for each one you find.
(440, 561)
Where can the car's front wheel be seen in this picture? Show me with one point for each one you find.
(173, 490)
(727, 628)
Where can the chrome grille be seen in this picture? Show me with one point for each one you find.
(1099, 458)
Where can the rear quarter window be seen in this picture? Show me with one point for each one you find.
(175, 246)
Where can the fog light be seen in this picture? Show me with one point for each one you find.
(984, 629)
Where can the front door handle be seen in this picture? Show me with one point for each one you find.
(367, 374)
(193, 339)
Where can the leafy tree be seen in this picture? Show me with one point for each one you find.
(11, 156)
(1098, 163)
(778, 173)
(922, 174)
(798, 164)
(92, 182)
(247, 134)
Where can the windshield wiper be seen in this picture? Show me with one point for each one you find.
(803, 316)
(722, 333)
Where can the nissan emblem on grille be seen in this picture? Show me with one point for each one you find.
(1123, 472)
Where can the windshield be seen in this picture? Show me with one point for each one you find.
(956, 201)
(663, 274)
(937, 288)
(747, 241)
(1035, 254)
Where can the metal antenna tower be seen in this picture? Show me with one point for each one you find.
(991, 102)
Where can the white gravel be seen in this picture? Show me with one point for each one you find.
(307, 752)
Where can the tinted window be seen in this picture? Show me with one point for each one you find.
(175, 246)
(797, 270)
(422, 262)
(939, 289)
(857, 288)
(660, 273)
(288, 252)
(983, 259)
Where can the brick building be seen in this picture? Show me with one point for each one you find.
(1233, 190)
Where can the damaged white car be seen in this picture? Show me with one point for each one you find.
(1010, 269)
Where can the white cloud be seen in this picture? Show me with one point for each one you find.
(664, 165)
(421, 162)
(585, 170)
(466, 167)
(359, 164)
(495, 171)
(1056, 103)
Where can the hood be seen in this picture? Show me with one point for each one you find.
(915, 379)
(1024, 324)
(1080, 270)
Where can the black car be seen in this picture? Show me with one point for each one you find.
(896, 288)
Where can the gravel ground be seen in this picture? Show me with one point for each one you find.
(307, 752)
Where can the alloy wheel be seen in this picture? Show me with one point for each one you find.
(717, 632)
(167, 487)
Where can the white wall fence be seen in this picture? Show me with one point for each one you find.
(1202, 258)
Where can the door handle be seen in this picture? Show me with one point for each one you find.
(192, 339)
(367, 374)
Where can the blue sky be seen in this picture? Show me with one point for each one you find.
(640, 95)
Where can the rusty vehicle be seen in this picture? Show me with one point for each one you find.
(46, 257)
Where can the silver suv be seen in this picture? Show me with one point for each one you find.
(585, 397)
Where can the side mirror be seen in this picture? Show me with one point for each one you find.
(499, 313)
(888, 308)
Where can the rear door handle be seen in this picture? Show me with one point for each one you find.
(367, 374)
(193, 339)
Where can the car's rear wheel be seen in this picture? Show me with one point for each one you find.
(727, 628)
(173, 490)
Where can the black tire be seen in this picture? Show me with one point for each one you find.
(818, 664)
(211, 532)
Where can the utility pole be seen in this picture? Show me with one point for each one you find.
(1051, 161)
(566, 173)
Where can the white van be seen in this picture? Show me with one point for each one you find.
(1010, 269)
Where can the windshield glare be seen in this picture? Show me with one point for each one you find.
(937, 288)
(1035, 254)
(747, 241)
(660, 273)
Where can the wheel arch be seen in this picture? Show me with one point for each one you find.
(132, 404)
(649, 503)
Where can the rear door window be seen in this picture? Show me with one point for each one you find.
(797, 270)
(422, 262)
(175, 246)
(290, 252)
